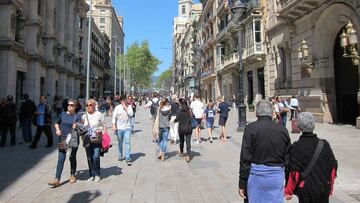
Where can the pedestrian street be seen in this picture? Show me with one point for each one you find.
(211, 175)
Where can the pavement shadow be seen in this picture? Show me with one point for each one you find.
(104, 173)
(136, 156)
(86, 196)
(136, 131)
(171, 154)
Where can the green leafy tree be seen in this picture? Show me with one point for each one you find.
(164, 78)
(142, 63)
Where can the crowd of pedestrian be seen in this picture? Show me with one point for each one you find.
(267, 160)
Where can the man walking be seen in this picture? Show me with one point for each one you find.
(8, 112)
(43, 123)
(122, 127)
(174, 126)
(27, 111)
(197, 108)
(264, 147)
(223, 116)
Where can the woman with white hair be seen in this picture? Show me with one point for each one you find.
(312, 165)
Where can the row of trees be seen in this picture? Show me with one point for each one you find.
(141, 63)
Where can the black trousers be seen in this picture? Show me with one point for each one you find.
(8, 127)
(47, 130)
(188, 143)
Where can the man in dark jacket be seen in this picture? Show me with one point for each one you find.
(263, 157)
(27, 111)
(8, 112)
(43, 123)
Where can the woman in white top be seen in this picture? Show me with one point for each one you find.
(95, 120)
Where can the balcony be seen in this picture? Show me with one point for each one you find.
(253, 51)
(233, 58)
(208, 75)
(295, 9)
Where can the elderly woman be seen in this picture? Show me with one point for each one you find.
(95, 120)
(317, 185)
(262, 160)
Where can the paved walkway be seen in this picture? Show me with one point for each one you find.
(211, 176)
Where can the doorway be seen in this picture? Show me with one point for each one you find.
(346, 86)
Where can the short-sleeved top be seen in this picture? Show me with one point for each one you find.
(197, 108)
(210, 114)
(66, 121)
(224, 109)
(96, 120)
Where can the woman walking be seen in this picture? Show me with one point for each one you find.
(95, 121)
(164, 126)
(310, 182)
(185, 130)
(63, 126)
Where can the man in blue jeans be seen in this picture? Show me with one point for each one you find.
(122, 127)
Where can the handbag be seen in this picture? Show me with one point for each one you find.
(155, 129)
(62, 146)
(194, 123)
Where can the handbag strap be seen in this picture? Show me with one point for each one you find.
(87, 118)
(318, 150)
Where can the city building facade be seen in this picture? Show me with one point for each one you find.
(306, 56)
(41, 47)
(112, 25)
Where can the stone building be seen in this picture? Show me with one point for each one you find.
(108, 22)
(41, 47)
(326, 82)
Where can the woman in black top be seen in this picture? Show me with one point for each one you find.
(185, 129)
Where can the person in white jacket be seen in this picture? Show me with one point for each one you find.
(122, 128)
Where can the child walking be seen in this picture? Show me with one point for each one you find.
(210, 117)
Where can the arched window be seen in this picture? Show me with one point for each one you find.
(183, 9)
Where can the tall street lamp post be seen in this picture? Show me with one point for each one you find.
(238, 8)
(88, 55)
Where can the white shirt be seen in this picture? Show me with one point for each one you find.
(154, 100)
(197, 108)
(96, 119)
(294, 102)
(121, 118)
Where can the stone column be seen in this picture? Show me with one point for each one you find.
(77, 87)
(71, 86)
(50, 86)
(62, 84)
(8, 73)
(70, 26)
(32, 80)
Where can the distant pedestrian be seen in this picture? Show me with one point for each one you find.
(310, 182)
(43, 123)
(264, 148)
(209, 118)
(8, 114)
(27, 112)
(224, 109)
(284, 108)
(197, 108)
(122, 128)
(164, 126)
(295, 107)
(183, 116)
(64, 126)
(131, 102)
(58, 106)
(174, 126)
(153, 105)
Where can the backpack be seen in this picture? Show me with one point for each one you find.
(154, 107)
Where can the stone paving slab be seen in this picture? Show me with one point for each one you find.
(211, 176)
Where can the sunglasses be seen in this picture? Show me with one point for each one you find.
(71, 104)
(89, 105)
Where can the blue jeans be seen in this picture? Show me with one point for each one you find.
(123, 137)
(61, 160)
(93, 158)
(283, 120)
(26, 127)
(132, 123)
(163, 138)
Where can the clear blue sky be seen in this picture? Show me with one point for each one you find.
(151, 20)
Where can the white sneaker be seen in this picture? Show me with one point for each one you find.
(97, 179)
(91, 179)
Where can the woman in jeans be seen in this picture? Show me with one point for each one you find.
(64, 125)
(95, 120)
(164, 126)
(185, 130)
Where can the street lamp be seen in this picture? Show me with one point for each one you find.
(238, 8)
(306, 60)
(348, 41)
(88, 55)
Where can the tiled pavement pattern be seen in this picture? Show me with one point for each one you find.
(211, 176)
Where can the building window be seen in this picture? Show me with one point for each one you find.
(102, 12)
(183, 10)
(81, 23)
(102, 28)
(257, 30)
(282, 76)
(39, 7)
(249, 34)
(250, 87)
(80, 43)
(102, 20)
